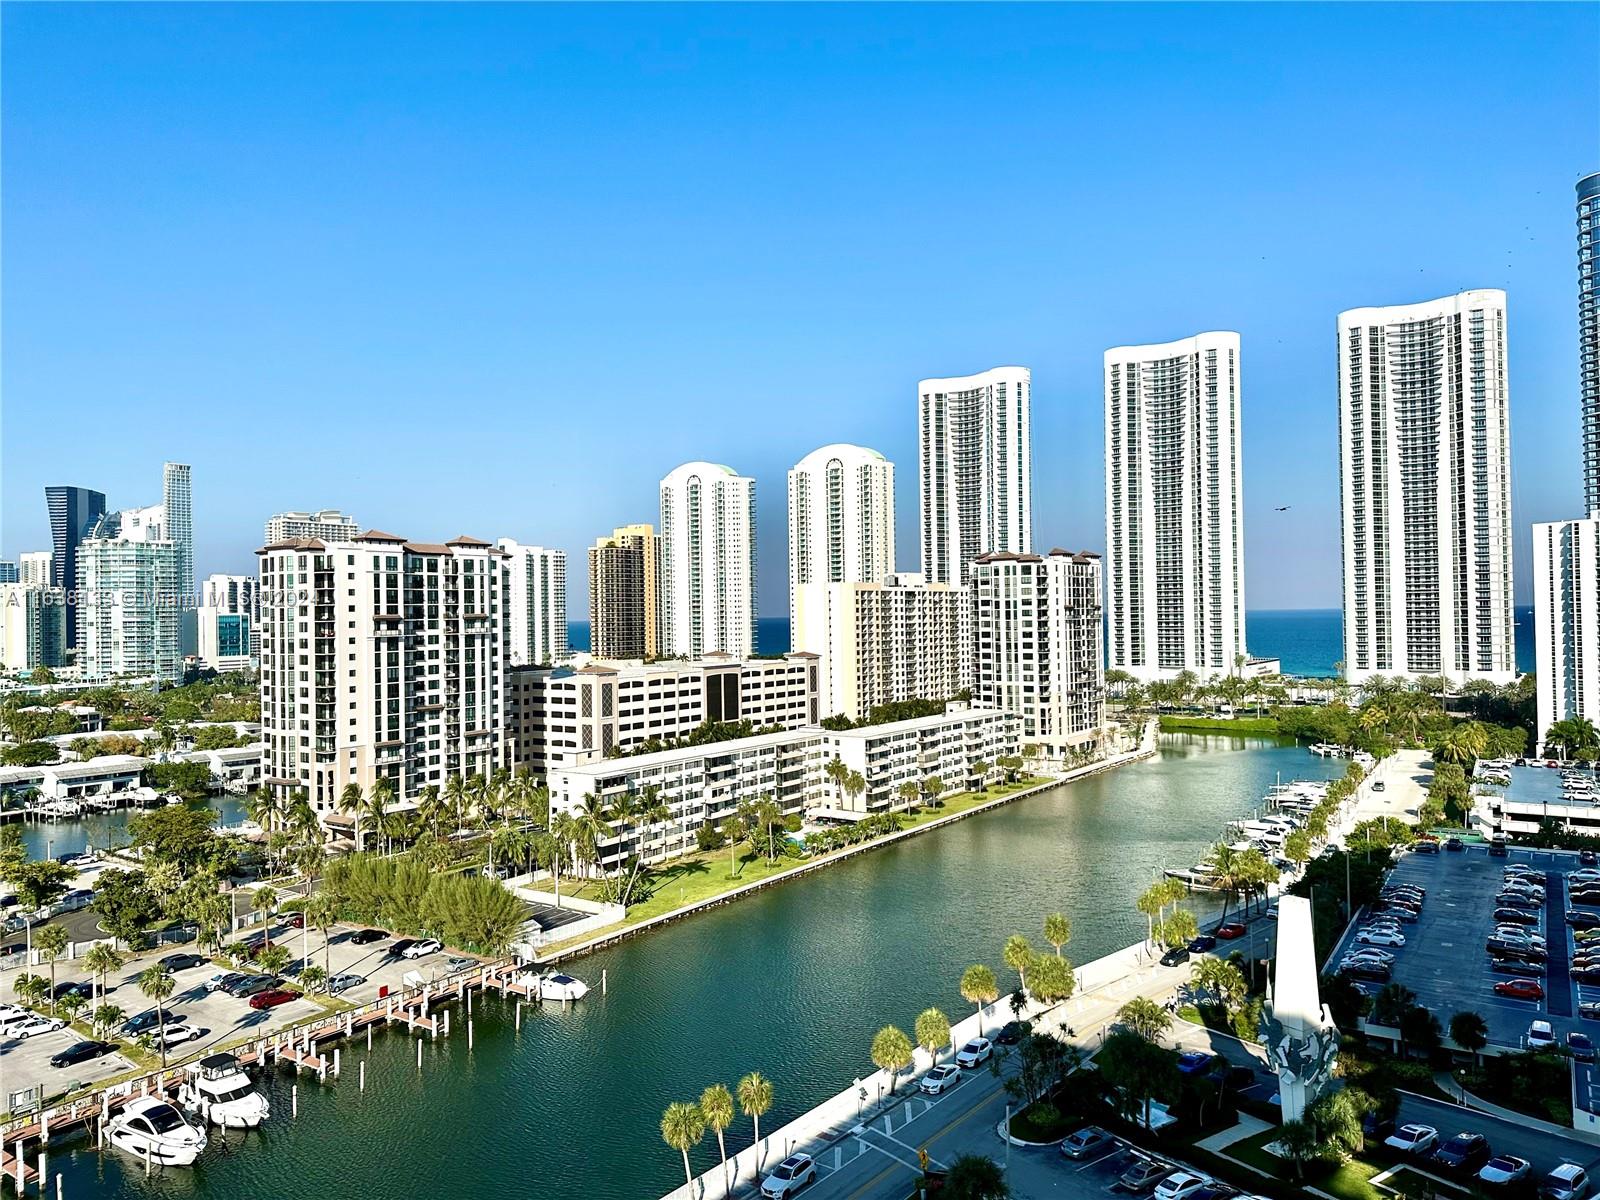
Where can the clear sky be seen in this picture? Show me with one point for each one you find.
(496, 270)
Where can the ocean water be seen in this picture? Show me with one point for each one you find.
(1307, 640)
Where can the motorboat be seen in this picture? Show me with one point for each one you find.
(218, 1089)
(556, 986)
(157, 1132)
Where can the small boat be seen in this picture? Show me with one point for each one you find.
(557, 986)
(157, 1132)
(220, 1092)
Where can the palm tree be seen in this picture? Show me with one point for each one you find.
(1018, 953)
(1145, 1017)
(589, 825)
(105, 1017)
(625, 810)
(891, 1052)
(837, 773)
(933, 1031)
(716, 1105)
(158, 985)
(377, 808)
(101, 960)
(32, 989)
(978, 987)
(682, 1127)
(755, 1099)
(1469, 1031)
(1300, 1143)
(313, 978)
(51, 943)
(264, 809)
(854, 784)
(933, 788)
(910, 793)
(1057, 931)
(351, 801)
(265, 900)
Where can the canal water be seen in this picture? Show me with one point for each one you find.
(792, 982)
(46, 839)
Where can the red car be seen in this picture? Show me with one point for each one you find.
(273, 997)
(1230, 931)
(296, 921)
(1520, 989)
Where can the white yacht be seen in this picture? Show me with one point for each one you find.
(157, 1132)
(557, 986)
(220, 1092)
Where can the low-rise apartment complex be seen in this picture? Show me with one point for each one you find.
(704, 785)
(565, 716)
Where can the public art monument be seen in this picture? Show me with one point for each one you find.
(1296, 1028)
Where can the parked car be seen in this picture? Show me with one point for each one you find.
(177, 1035)
(1013, 1032)
(1580, 1046)
(220, 981)
(1464, 1152)
(1365, 970)
(1177, 956)
(181, 962)
(1516, 916)
(81, 1052)
(789, 1176)
(1143, 1175)
(1497, 847)
(1589, 1010)
(939, 1080)
(1520, 989)
(974, 1052)
(1515, 966)
(295, 920)
(343, 983)
(496, 872)
(1540, 1036)
(1454, 845)
(149, 1019)
(1412, 1139)
(251, 985)
(1569, 1181)
(422, 949)
(1424, 846)
(1578, 919)
(1202, 943)
(31, 1025)
(1180, 1185)
(1230, 930)
(272, 997)
(1195, 1062)
(399, 948)
(1518, 900)
(1086, 1142)
(1587, 858)
(1505, 1169)
(1375, 1127)
(1381, 937)
(365, 937)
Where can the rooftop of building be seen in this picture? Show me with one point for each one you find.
(1543, 787)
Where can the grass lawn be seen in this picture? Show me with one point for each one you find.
(1348, 1181)
(1238, 725)
(705, 875)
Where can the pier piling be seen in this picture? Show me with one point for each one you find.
(602, 981)
(361, 1075)
(469, 1035)
(419, 1055)
(294, 1100)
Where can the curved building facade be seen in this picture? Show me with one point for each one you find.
(841, 518)
(708, 561)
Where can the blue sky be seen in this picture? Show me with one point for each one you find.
(497, 270)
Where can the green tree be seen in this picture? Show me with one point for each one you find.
(755, 1098)
(1057, 931)
(1469, 1031)
(38, 885)
(264, 900)
(321, 911)
(682, 1127)
(105, 1017)
(313, 978)
(125, 904)
(1300, 1143)
(32, 990)
(716, 1105)
(1050, 979)
(29, 754)
(1137, 1071)
(176, 833)
(891, 1052)
(1018, 955)
(100, 961)
(933, 1031)
(976, 1177)
(1145, 1017)
(978, 987)
(51, 943)
(273, 960)
(1419, 1029)
(157, 985)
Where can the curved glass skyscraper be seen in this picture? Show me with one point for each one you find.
(1589, 334)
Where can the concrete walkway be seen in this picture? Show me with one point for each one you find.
(1450, 1087)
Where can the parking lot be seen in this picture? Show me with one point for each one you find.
(225, 1018)
(1444, 960)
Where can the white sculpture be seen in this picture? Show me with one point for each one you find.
(1296, 1027)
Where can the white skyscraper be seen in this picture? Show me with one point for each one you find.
(708, 561)
(34, 567)
(1425, 481)
(975, 463)
(841, 518)
(536, 602)
(328, 525)
(228, 621)
(1566, 609)
(1174, 513)
(177, 503)
(1037, 635)
(33, 626)
(130, 596)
